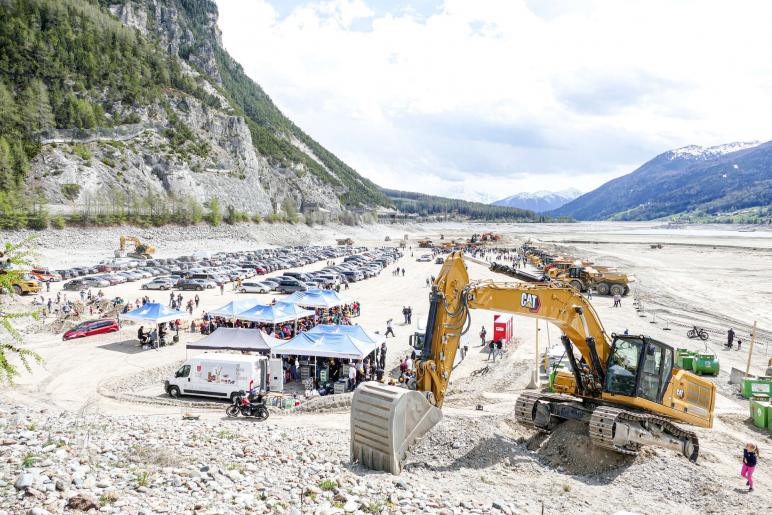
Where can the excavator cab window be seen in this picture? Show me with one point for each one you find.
(622, 370)
(417, 341)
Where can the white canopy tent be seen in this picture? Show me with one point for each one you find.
(238, 339)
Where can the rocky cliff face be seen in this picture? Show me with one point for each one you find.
(180, 147)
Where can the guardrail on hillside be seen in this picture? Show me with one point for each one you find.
(119, 133)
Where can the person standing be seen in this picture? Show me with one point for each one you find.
(730, 337)
(389, 328)
(352, 376)
(197, 300)
(482, 336)
(409, 315)
(492, 351)
(404, 314)
(750, 456)
(171, 299)
(222, 288)
(499, 349)
(382, 357)
(409, 363)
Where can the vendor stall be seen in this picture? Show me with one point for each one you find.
(237, 339)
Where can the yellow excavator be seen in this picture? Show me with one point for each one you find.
(141, 250)
(624, 387)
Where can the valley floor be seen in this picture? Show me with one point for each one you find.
(93, 420)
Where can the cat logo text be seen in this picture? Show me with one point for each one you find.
(530, 301)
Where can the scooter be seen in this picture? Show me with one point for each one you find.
(248, 405)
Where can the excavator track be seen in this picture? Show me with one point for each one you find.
(527, 404)
(604, 419)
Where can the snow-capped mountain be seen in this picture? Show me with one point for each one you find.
(698, 153)
(539, 201)
(708, 180)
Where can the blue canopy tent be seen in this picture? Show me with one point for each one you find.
(153, 313)
(357, 331)
(316, 298)
(274, 314)
(327, 345)
(231, 309)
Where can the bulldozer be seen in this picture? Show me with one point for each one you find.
(625, 388)
(141, 250)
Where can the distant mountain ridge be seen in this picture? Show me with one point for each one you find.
(691, 179)
(539, 201)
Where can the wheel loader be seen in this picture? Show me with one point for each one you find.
(624, 388)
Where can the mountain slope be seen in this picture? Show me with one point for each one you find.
(539, 201)
(689, 179)
(116, 106)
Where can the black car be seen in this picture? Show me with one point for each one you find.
(191, 284)
(75, 285)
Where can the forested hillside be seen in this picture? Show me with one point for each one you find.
(425, 205)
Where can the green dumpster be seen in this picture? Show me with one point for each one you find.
(760, 410)
(757, 386)
(553, 374)
(704, 363)
(684, 359)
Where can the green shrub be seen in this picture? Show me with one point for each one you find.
(70, 191)
(82, 152)
(57, 222)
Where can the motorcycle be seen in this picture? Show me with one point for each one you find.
(248, 405)
(697, 332)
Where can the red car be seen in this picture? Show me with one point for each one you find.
(260, 270)
(104, 268)
(91, 328)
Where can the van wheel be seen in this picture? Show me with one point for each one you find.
(174, 392)
(243, 290)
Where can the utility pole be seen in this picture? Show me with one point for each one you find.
(750, 350)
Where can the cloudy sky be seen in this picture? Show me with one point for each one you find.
(488, 98)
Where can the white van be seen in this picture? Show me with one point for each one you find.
(219, 375)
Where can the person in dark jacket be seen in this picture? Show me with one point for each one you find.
(750, 455)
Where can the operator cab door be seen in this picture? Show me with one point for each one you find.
(639, 367)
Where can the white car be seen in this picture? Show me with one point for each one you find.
(426, 258)
(255, 287)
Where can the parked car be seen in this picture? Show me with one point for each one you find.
(159, 283)
(426, 258)
(192, 284)
(92, 328)
(287, 285)
(96, 282)
(255, 287)
(75, 285)
(45, 275)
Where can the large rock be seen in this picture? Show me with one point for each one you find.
(24, 481)
(83, 502)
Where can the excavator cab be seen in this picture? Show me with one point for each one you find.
(639, 367)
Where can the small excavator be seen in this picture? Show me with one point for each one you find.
(625, 388)
(141, 250)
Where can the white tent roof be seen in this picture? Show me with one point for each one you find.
(332, 345)
(236, 338)
(155, 313)
(231, 309)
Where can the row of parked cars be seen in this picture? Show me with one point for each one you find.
(354, 268)
(199, 271)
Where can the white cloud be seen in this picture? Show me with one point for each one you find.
(502, 96)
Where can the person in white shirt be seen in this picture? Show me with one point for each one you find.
(352, 375)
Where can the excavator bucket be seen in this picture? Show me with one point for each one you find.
(385, 421)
